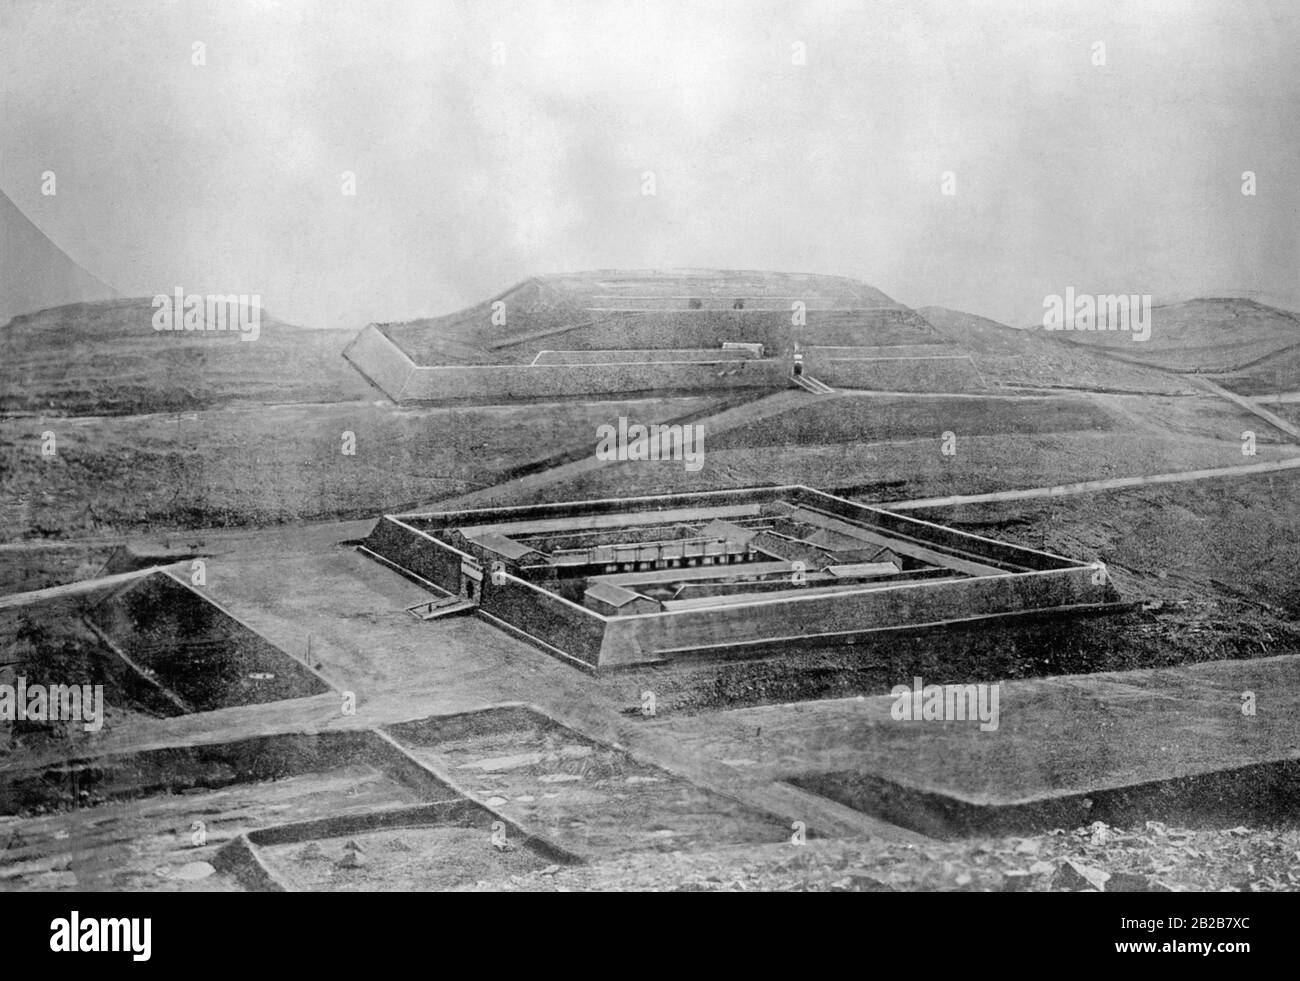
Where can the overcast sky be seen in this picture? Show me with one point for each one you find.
(472, 175)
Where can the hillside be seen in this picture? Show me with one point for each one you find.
(258, 465)
(34, 272)
(1210, 336)
(1014, 357)
(105, 358)
(259, 441)
(670, 309)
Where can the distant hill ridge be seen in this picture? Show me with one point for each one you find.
(105, 358)
(1208, 335)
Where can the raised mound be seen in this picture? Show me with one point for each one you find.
(47, 643)
(603, 334)
(669, 309)
(199, 655)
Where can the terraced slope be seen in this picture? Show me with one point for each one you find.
(672, 309)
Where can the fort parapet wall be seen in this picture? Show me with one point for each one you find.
(385, 364)
(1015, 581)
(841, 616)
(565, 627)
(577, 373)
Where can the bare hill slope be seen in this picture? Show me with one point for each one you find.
(1212, 335)
(1015, 357)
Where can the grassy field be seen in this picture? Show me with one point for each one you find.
(1224, 538)
(897, 452)
(1276, 373)
(1029, 359)
(893, 418)
(250, 466)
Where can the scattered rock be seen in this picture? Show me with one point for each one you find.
(1027, 846)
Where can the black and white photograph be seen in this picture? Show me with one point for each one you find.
(647, 446)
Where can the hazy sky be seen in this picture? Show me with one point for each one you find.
(471, 175)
